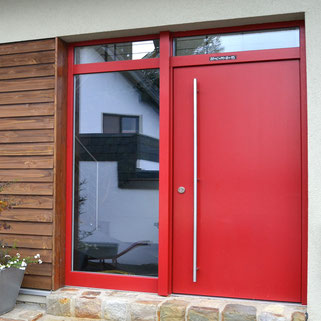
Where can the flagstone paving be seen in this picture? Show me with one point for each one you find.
(24, 312)
(80, 304)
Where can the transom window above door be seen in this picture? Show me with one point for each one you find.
(238, 41)
(117, 51)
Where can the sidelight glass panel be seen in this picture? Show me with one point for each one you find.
(117, 51)
(116, 172)
(241, 41)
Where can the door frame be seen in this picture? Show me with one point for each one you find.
(166, 64)
(92, 279)
(170, 62)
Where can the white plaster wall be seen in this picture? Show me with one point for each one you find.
(111, 93)
(124, 216)
(83, 19)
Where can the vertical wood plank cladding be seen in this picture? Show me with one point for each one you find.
(58, 276)
(35, 162)
(32, 141)
(27, 71)
(27, 84)
(27, 46)
(46, 109)
(23, 59)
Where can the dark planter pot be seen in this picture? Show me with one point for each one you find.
(10, 283)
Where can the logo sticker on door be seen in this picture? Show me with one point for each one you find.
(223, 58)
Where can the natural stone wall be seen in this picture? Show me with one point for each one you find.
(133, 306)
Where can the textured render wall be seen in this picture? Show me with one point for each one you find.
(313, 28)
(35, 19)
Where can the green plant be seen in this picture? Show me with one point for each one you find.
(4, 205)
(7, 261)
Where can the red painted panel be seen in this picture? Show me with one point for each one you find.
(165, 158)
(92, 68)
(112, 281)
(249, 222)
(242, 56)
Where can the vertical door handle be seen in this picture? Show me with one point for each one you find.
(195, 183)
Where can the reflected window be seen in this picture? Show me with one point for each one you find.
(116, 124)
(116, 172)
(117, 51)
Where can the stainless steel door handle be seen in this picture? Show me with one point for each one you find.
(195, 184)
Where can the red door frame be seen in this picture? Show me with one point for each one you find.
(98, 280)
(166, 63)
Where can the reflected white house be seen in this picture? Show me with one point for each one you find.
(116, 172)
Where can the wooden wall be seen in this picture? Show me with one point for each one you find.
(32, 155)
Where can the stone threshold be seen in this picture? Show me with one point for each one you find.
(24, 312)
(83, 303)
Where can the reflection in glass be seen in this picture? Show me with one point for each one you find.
(116, 170)
(233, 42)
(117, 51)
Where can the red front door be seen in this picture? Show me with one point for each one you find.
(249, 181)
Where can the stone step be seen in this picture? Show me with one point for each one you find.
(24, 312)
(81, 303)
(32, 299)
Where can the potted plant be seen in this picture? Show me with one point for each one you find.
(12, 266)
(12, 269)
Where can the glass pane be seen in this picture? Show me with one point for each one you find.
(129, 124)
(242, 41)
(111, 124)
(117, 51)
(116, 172)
